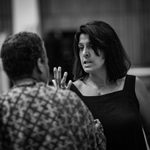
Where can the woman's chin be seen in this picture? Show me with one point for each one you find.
(88, 70)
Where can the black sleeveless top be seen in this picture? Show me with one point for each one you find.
(120, 117)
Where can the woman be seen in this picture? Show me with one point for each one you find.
(119, 100)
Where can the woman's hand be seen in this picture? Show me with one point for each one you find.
(59, 82)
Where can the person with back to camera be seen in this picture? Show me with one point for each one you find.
(36, 116)
(119, 100)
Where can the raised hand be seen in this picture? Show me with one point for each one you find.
(60, 82)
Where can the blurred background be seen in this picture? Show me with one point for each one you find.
(57, 20)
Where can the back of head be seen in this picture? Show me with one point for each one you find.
(103, 38)
(19, 54)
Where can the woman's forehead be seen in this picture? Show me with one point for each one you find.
(84, 38)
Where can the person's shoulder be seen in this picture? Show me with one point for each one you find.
(61, 95)
(139, 84)
(67, 99)
(78, 83)
(141, 90)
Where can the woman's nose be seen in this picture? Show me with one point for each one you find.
(86, 53)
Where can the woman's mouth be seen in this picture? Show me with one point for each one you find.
(87, 62)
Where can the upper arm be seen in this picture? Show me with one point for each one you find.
(143, 97)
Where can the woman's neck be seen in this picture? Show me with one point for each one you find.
(98, 79)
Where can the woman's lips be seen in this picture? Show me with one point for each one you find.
(87, 63)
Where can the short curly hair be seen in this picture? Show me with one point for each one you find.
(19, 54)
(102, 37)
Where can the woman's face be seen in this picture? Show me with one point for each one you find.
(89, 60)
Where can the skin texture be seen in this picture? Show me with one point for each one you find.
(89, 60)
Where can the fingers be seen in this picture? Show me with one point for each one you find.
(59, 82)
(55, 74)
(63, 81)
(57, 77)
(54, 83)
(97, 124)
(69, 84)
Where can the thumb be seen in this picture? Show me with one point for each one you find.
(54, 83)
(69, 84)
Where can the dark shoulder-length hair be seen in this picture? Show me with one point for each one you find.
(104, 38)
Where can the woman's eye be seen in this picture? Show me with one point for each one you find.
(81, 48)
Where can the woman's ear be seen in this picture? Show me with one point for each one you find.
(101, 54)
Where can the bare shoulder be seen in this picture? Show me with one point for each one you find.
(140, 86)
(141, 90)
(78, 83)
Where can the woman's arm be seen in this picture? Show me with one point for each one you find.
(143, 97)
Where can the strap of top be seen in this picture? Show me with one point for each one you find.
(74, 89)
(129, 86)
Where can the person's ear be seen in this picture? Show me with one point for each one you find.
(101, 54)
(40, 64)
